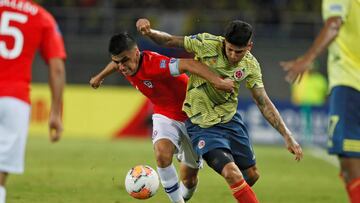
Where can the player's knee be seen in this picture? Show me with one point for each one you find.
(164, 151)
(231, 173)
(252, 175)
(163, 160)
(218, 158)
(222, 161)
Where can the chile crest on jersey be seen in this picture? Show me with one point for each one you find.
(148, 83)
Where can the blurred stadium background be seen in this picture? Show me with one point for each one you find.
(89, 166)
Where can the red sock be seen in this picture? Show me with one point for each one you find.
(243, 192)
(353, 189)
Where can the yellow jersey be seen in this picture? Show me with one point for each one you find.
(205, 105)
(344, 52)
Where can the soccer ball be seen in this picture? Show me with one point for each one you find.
(142, 182)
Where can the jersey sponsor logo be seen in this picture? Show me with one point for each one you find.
(239, 74)
(163, 64)
(201, 144)
(336, 7)
(192, 36)
(148, 84)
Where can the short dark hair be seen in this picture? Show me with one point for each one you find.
(238, 33)
(121, 42)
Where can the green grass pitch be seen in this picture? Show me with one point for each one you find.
(93, 170)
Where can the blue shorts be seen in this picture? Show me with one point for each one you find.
(232, 135)
(344, 125)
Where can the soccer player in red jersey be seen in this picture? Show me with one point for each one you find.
(161, 80)
(24, 28)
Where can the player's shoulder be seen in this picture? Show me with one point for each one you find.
(153, 62)
(150, 56)
(332, 8)
(250, 60)
(335, 5)
(151, 53)
(250, 57)
(41, 15)
(207, 38)
(210, 45)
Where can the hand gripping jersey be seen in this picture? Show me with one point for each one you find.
(154, 80)
(24, 28)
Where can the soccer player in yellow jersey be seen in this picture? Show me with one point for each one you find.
(216, 129)
(341, 34)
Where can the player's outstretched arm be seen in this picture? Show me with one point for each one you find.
(97, 80)
(295, 68)
(159, 37)
(57, 83)
(272, 115)
(197, 68)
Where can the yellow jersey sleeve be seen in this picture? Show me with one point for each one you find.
(203, 44)
(331, 8)
(255, 78)
(344, 51)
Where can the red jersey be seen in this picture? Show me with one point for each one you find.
(24, 28)
(154, 80)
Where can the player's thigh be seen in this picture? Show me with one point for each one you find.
(243, 153)
(240, 144)
(204, 140)
(164, 149)
(14, 122)
(165, 129)
(344, 125)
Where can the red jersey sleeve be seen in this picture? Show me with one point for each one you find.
(158, 65)
(52, 44)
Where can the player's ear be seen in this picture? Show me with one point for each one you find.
(137, 51)
(250, 45)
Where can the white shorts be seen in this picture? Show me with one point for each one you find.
(175, 131)
(14, 123)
